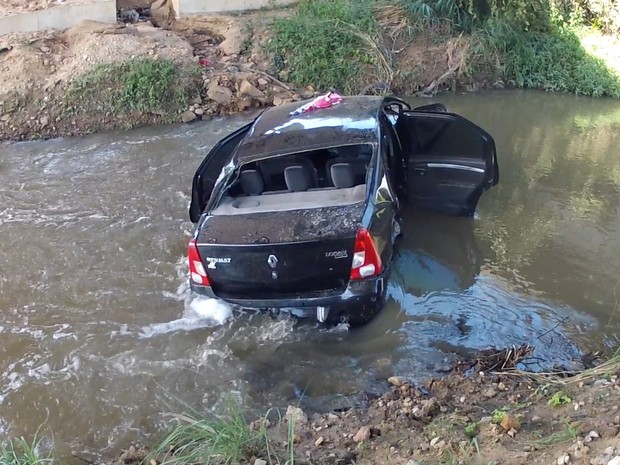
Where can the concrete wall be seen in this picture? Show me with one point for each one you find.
(187, 7)
(59, 17)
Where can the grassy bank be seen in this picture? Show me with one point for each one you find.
(134, 88)
(365, 45)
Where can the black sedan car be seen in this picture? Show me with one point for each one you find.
(300, 210)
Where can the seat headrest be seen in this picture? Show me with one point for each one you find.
(252, 182)
(298, 178)
(342, 175)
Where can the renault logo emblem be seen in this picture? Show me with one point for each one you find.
(273, 261)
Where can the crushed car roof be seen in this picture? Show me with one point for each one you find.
(276, 131)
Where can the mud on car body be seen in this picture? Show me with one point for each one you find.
(301, 211)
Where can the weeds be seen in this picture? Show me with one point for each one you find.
(140, 85)
(21, 452)
(337, 44)
(558, 399)
(225, 438)
(569, 433)
(326, 43)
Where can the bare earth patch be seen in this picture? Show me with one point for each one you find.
(11, 7)
(39, 69)
(228, 52)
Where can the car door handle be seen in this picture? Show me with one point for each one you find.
(454, 166)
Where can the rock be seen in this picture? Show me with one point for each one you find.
(244, 103)
(363, 434)
(614, 461)
(277, 101)
(434, 441)
(44, 121)
(162, 13)
(593, 435)
(220, 94)
(536, 419)
(297, 415)
(234, 42)
(319, 441)
(188, 116)
(199, 111)
(262, 82)
(233, 69)
(610, 451)
(396, 381)
(260, 462)
(501, 387)
(489, 393)
(246, 88)
(45, 49)
(601, 382)
(510, 422)
(563, 459)
(129, 15)
(428, 408)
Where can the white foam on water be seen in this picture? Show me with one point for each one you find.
(276, 331)
(213, 309)
(200, 312)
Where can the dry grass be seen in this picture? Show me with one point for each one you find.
(610, 367)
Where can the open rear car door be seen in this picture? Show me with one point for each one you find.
(210, 169)
(449, 160)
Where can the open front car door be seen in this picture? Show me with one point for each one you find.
(449, 161)
(210, 168)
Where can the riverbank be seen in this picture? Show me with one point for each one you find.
(162, 70)
(482, 412)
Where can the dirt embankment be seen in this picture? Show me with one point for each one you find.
(97, 77)
(473, 415)
(482, 412)
(83, 79)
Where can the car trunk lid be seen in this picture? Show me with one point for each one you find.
(280, 255)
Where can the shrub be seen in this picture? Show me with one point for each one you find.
(323, 44)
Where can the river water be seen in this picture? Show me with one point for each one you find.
(99, 337)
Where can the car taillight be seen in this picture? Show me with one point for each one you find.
(197, 271)
(366, 259)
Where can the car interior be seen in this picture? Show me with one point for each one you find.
(328, 177)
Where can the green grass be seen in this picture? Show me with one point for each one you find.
(139, 85)
(568, 433)
(225, 437)
(552, 61)
(558, 399)
(21, 452)
(340, 44)
(326, 43)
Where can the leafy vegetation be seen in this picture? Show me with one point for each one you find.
(223, 438)
(326, 43)
(558, 399)
(554, 45)
(21, 452)
(139, 85)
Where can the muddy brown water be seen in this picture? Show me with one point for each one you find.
(99, 338)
